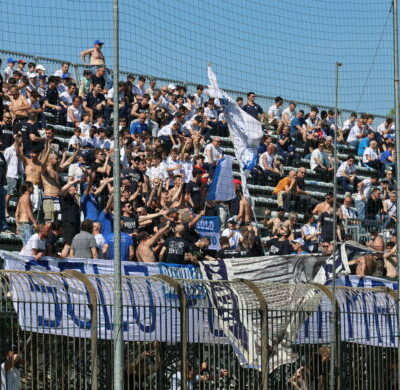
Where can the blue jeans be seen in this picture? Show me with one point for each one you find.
(3, 222)
(360, 206)
(26, 232)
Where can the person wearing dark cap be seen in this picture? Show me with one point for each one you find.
(20, 67)
(96, 56)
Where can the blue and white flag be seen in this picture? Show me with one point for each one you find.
(245, 131)
(222, 187)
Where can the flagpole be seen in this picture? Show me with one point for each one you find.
(397, 134)
(334, 351)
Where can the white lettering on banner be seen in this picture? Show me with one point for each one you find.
(210, 227)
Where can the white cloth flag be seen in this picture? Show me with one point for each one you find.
(245, 131)
(222, 187)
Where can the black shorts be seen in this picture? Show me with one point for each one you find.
(68, 231)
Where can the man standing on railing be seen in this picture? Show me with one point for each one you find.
(96, 59)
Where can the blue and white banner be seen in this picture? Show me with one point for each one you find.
(367, 316)
(210, 227)
(221, 187)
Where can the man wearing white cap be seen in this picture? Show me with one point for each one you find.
(298, 247)
(41, 70)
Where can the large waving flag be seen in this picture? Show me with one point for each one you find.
(222, 187)
(245, 131)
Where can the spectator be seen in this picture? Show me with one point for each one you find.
(297, 126)
(176, 247)
(252, 108)
(389, 210)
(269, 166)
(298, 247)
(36, 245)
(310, 234)
(289, 113)
(356, 133)
(346, 175)
(84, 244)
(233, 233)
(320, 163)
(275, 115)
(374, 206)
(24, 219)
(371, 158)
(126, 247)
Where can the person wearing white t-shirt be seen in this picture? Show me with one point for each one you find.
(100, 240)
(356, 133)
(320, 163)
(36, 245)
(85, 125)
(364, 189)
(371, 157)
(275, 115)
(346, 175)
(74, 112)
(349, 123)
(346, 211)
(234, 235)
(213, 153)
(289, 113)
(386, 129)
(389, 209)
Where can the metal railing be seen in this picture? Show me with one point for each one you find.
(56, 333)
(52, 64)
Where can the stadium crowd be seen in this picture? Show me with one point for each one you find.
(170, 145)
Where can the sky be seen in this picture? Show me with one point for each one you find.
(272, 47)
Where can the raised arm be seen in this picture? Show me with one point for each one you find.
(85, 53)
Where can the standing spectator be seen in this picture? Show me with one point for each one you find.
(8, 71)
(3, 183)
(24, 219)
(310, 234)
(84, 244)
(389, 209)
(126, 244)
(100, 241)
(213, 153)
(19, 106)
(252, 108)
(374, 206)
(176, 247)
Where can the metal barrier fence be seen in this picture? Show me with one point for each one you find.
(52, 64)
(194, 334)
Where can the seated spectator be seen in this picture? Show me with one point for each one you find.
(286, 190)
(371, 158)
(320, 163)
(356, 133)
(213, 153)
(285, 147)
(346, 212)
(346, 175)
(233, 234)
(386, 129)
(297, 126)
(349, 124)
(364, 143)
(388, 157)
(275, 115)
(389, 211)
(36, 245)
(289, 113)
(324, 206)
(298, 247)
(268, 165)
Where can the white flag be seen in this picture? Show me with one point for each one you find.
(222, 187)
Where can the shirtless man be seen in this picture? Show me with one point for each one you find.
(33, 170)
(51, 179)
(96, 57)
(19, 106)
(145, 252)
(24, 218)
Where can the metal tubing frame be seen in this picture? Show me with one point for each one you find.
(264, 329)
(183, 325)
(93, 321)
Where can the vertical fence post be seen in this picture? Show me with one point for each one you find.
(264, 329)
(93, 321)
(183, 328)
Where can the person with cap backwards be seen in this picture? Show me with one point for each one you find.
(298, 247)
(8, 71)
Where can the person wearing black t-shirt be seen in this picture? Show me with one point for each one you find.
(176, 247)
(129, 220)
(95, 102)
(195, 188)
(326, 223)
(98, 77)
(6, 132)
(252, 108)
(31, 138)
(374, 206)
(51, 99)
(280, 244)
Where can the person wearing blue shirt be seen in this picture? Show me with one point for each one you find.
(387, 156)
(90, 206)
(126, 247)
(296, 125)
(140, 126)
(106, 218)
(364, 143)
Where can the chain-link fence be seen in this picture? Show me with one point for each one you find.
(56, 333)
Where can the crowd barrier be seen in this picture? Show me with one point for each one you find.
(192, 333)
